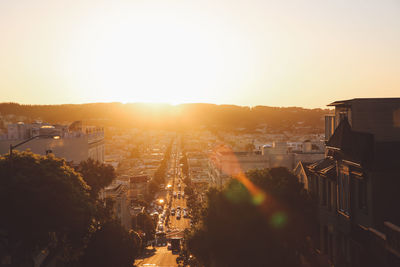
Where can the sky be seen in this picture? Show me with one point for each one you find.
(305, 53)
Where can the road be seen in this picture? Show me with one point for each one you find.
(161, 256)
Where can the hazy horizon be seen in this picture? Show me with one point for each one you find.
(165, 104)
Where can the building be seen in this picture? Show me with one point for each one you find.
(121, 205)
(357, 184)
(198, 167)
(288, 154)
(138, 187)
(224, 164)
(75, 143)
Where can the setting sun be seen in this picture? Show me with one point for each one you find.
(156, 58)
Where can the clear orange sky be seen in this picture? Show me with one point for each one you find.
(278, 53)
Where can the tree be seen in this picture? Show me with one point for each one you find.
(112, 245)
(267, 227)
(188, 190)
(97, 175)
(44, 204)
(144, 222)
(159, 175)
(153, 188)
(185, 167)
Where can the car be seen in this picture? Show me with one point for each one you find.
(178, 216)
(173, 212)
(179, 195)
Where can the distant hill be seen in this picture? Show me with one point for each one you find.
(164, 116)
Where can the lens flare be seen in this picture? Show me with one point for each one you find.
(278, 219)
(266, 204)
(234, 169)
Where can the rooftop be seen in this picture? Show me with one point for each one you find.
(364, 100)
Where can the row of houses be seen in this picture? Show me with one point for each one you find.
(224, 162)
(357, 184)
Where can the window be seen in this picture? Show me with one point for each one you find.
(362, 194)
(343, 192)
(329, 195)
(324, 193)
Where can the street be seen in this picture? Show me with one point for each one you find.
(160, 256)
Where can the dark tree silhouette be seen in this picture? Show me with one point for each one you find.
(112, 245)
(144, 222)
(97, 175)
(44, 204)
(241, 229)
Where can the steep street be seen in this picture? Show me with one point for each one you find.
(160, 256)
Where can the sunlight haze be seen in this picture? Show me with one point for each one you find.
(276, 53)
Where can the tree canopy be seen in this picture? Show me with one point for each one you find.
(44, 204)
(97, 175)
(143, 222)
(112, 245)
(238, 228)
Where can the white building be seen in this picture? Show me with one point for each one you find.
(75, 143)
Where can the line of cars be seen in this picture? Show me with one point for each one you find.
(179, 212)
(178, 194)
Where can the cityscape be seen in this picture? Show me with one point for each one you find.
(209, 134)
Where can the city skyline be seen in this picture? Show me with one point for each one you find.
(292, 53)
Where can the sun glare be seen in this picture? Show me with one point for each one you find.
(142, 60)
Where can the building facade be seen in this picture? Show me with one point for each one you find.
(74, 143)
(357, 184)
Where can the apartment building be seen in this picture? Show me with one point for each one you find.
(357, 184)
(121, 205)
(75, 142)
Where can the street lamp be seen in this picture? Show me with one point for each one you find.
(54, 136)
